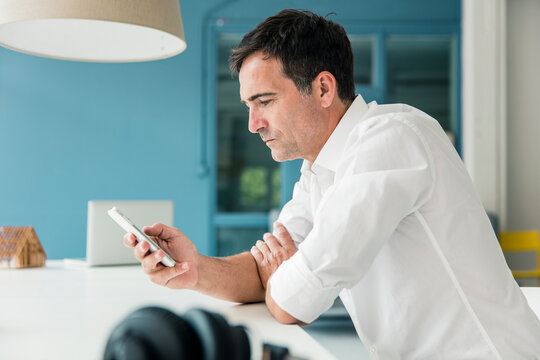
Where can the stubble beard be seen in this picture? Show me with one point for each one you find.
(284, 151)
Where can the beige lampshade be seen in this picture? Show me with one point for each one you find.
(93, 30)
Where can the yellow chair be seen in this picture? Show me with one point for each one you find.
(522, 252)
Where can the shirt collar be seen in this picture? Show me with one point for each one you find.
(333, 148)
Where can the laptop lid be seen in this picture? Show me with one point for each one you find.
(104, 238)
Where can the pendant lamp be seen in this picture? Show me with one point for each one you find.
(93, 30)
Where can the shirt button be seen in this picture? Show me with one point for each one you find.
(372, 350)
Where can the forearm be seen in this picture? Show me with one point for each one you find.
(234, 278)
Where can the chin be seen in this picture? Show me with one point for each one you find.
(280, 157)
(277, 158)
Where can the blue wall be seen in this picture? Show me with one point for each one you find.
(72, 132)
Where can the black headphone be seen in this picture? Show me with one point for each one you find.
(158, 334)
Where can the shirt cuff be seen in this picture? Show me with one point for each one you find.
(296, 290)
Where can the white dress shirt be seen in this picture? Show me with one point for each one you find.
(388, 219)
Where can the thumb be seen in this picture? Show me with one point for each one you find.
(181, 268)
(154, 230)
(161, 231)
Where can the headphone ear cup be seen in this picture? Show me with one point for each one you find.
(219, 340)
(153, 333)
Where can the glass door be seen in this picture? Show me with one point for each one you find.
(420, 73)
(248, 179)
(251, 187)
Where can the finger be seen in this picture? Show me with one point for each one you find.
(164, 275)
(140, 250)
(283, 235)
(273, 244)
(130, 240)
(261, 245)
(257, 255)
(151, 262)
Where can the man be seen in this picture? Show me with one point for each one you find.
(384, 214)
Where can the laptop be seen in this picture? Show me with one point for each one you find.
(104, 237)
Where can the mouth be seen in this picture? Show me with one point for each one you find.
(265, 137)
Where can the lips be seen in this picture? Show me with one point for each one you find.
(266, 138)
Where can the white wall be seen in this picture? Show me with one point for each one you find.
(484, 100)
(523, 121)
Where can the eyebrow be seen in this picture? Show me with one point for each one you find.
(256, 96)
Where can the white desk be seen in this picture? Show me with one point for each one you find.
(57, 313)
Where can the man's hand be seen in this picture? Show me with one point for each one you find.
(270, 253)
(184, 274)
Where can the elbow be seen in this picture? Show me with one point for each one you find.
(284, 317)
(278, 313)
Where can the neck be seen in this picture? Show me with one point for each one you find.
(333, 115)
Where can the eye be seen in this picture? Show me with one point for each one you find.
(265, 102)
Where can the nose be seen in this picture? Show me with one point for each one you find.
(257, 123)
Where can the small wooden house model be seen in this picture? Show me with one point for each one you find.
(20, 247)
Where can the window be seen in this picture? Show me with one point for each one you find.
(248, 180)
(419, 73)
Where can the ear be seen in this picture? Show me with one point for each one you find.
(324, 88)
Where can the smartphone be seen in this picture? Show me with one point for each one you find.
(130, 227)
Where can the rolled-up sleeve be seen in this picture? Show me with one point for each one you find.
(298, 291)
(384, 175)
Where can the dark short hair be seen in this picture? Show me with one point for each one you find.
(306, 44)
